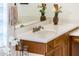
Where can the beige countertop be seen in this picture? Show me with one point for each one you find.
(75, 33)
(58, 31)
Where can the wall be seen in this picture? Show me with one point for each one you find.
(70, 12)
(31, 12)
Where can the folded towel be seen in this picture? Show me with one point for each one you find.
(13, 15)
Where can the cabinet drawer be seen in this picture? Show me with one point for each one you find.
(35, 47)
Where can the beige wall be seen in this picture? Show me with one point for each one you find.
(70, 12)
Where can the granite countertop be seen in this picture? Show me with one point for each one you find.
(58, 31)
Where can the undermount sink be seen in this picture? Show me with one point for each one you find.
(41, 34)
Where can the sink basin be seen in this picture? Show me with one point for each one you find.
(41, 34)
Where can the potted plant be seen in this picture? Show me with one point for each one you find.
(43, 8)
(56, 11)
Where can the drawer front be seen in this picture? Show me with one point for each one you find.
(35, 47)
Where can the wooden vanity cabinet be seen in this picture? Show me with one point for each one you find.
(56, 47)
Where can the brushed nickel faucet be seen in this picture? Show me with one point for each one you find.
(37, 28)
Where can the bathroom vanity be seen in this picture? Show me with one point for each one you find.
(52, 41)
(45, 38)
(55, 47)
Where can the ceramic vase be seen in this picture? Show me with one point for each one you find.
(43, 17)
(55, 19)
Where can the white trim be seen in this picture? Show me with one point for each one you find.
(5, 23)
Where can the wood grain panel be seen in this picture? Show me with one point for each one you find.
(60, 40)
(50, 46)
(35, 47)
(75, 46)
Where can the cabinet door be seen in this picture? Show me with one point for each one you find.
(65, 50)
(75, 46)
(61, 46)
(58, 51)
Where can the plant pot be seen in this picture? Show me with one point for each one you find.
(55, 20)
(43, 18)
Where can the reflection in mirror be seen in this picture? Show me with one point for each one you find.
(28, 14)
(42, 10)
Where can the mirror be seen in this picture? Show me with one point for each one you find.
(28, 13)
